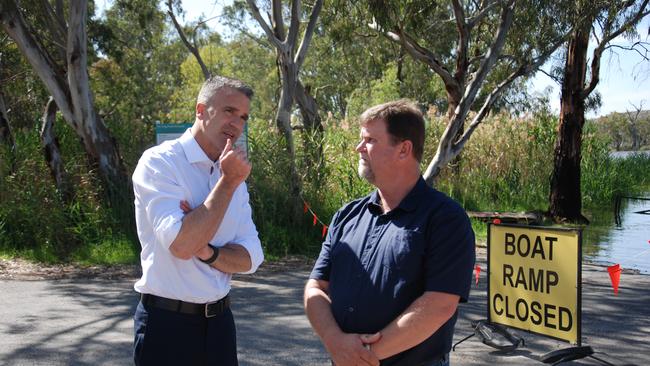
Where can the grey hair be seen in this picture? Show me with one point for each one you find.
(215, 83)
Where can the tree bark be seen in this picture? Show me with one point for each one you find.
(5, 130)
(283, 121)
(313, 132)
(565, 196)
(308, 108)
(291, 56)
(52, 152)
(70, 88)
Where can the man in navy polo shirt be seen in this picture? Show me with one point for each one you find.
(396, 263)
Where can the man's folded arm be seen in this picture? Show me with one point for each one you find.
(417, 323)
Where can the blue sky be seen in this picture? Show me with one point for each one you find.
(624, 76)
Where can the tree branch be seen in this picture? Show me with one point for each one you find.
(294, 25)
(420, 53)
(190, 47)
(15, 26)
(463, 42)
(255, 11)
(634, 48)
(486, 65)
(472, 21)
(57, 28)
(309, 31)
(278, 21)
(607, 37)
(77, 55)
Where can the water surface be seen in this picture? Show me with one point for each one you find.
(626, 243)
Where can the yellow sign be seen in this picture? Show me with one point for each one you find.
(534, 279)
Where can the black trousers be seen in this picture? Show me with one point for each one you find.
(165, 337)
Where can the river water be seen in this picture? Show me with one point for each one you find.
(627, 242)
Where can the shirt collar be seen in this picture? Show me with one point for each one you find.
(193, 151)
(409, 203)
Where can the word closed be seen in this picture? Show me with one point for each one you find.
(533, 278)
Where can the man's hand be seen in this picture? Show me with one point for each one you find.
(234, 166)
(349, 349)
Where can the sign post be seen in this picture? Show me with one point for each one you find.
(170, 131)
(534, 280)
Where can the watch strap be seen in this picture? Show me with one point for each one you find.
(213, 257)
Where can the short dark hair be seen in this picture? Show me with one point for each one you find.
(404, 121)
(215, 83)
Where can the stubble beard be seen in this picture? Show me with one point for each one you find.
(365, 172)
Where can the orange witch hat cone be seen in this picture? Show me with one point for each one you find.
(615, 276)
(477, 272)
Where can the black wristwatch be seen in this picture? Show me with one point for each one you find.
(213, 257)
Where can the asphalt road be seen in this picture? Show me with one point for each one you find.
(89, 322)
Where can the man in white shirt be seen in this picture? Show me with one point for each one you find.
(188, 256)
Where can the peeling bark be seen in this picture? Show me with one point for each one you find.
(565, 198)
(70, 89)
(52, 152)
(291, 56)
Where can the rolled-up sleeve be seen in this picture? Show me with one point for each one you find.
(247, 235)
(158, 194)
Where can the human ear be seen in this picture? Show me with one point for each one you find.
(200, 110)
(406, 150)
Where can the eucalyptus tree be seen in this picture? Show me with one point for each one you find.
(606, 20)
(137, 72)
(348, 60)
(291, 52)
(470, 45)
(58, 52)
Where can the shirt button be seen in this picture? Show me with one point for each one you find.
(351, 309)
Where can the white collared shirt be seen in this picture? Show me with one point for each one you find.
(166, 174)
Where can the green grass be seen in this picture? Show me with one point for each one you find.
(505, 166)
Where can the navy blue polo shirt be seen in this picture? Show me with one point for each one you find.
(378, 263)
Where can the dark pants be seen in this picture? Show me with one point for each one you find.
(165, 337)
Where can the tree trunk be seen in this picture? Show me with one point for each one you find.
(52, 152)
(308, 108)
(313, 129)
(283, 121)
(70, 89)
(565, 195)
(6, 136)
(634, 134)
(5, 130)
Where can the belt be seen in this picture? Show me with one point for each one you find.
(208, 310)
